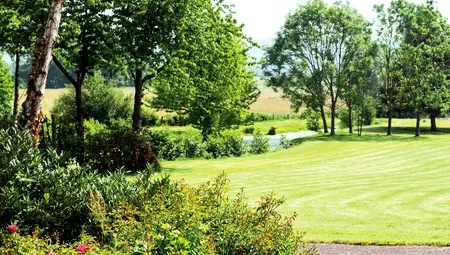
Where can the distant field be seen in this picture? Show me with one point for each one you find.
(348, 189)
(269, 101)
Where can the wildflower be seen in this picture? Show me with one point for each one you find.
(83, 248)
(12, 228)
(50, 253)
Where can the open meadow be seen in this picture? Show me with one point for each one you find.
(268, 102)
(348, 189)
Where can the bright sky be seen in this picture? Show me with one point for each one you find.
(263, 18)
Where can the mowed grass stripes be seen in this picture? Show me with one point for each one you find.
(370, 190)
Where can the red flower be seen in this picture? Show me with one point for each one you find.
(12, 228)
(83, 248)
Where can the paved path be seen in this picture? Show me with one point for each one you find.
(274, 140)
(338, 249)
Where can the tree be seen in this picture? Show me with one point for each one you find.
(84, 33)
(146, 33)
(424, 48)
(361, 81)
(388, 39)
(32, 106)
(6, 86)
(24, 20)
(312, 55)
(209, 77)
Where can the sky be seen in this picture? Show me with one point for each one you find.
(263, 18)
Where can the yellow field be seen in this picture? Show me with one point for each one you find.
(269, 101)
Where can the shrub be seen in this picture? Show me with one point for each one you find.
(108, 148)
(234, 144)
(101, 100)
(272, 131)
(173, 218)
(172, 149)
(260, 144)
(199, 220)
(193, 145)
(215, 147)
(249, 130)
(312, 120)
(36, 190)
(6, 89)
(149, 117)
(342, 115)
(284, 142)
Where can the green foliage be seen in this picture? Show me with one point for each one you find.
(312, 120)
(215, 147)
(35, 190)
(272, 131)
(208, 76)
(284, 142)
(6, 89)
(149, 117)
(193, 145)
(313, 53)
(249, 130)
(172, 149)
(260, 117)
(234, 144)
(102, 102)
(260, 144)
(342, 115)
(176, 218)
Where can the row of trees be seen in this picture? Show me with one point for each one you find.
(192, 54)
(328, 55)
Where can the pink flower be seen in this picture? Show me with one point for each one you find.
(83, 248)
(12, 228)
(50, 253)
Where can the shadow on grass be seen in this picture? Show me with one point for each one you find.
(376, 134)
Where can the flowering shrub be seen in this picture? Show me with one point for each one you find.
(80, 212)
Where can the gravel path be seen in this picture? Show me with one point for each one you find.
(338, 249)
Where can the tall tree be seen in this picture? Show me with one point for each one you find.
(209, 77)
(388, 39)
(424, 48)
(295, 64)
(147, 32)
(84, 34)
(312, 55)
(24, 21)
(361, 79)
(32, 106)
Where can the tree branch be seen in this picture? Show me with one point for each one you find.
(64, 71)
(151, 76)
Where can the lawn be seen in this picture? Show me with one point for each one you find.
(347, 189)
(282, 126)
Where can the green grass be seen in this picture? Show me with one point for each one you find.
(283, 126)
(371, 190)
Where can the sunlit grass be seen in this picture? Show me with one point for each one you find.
(350, 189)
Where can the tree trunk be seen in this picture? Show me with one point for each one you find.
(16, 86)
(324, 120)
(138, 95)
(32, 106)
(350, 120)
(333, 120)
(80, 122)
(433, 122)
(389, 129)
(417, 124)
